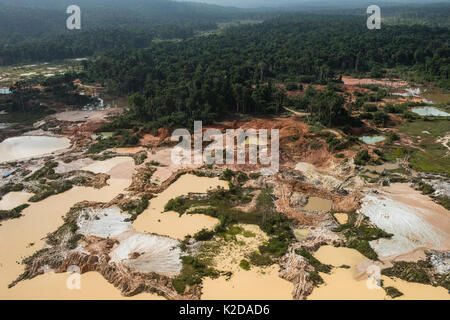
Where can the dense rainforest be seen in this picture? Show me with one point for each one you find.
(239, 70)
(35, 31)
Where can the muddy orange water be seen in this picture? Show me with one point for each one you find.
(384, 166)
(249, 285)
(301, 234)
(155, 220)
(30, 146)
(19, 238)
(343, 284)
(342, 218)
(52, 286)
(318, 204)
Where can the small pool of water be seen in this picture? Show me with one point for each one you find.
(23, 147)
(372, 139)
(319, 204)
(437, 97)
(430, 111)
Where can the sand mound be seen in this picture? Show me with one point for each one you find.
(103, 223)
(408, 223)
(149, 253)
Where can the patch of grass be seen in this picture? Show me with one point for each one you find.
(136, 207)
(393, 292)
(363, 247)
(47, 171)
(362, 158)
(421, 271)
(244, 264)
(234, 230)
(275, 247)
(317, 265)
(13, 213)
(392, 153)
(370, 179)
(179, 205)
(140, 157)
(192, 273)
(104, 156)
(433, 160)
(443, 201)
(54, 187)
(25, 118)
(366, 232)
(260, 260)
(425, 188)
(409, 271)
(234, 176)
(254, 175)
(120, 139)
(204, 235)
(10, 187)
(248, 234)
(315, 277)
(436, 128)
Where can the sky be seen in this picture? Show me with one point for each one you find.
(290, 3)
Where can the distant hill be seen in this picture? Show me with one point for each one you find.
(25, 19)
(157, 9)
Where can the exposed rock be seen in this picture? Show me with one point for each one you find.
(152, 253)
(440, 261)
(298, 199)
(295, 268)
(104, 223)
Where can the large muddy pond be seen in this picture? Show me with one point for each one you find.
(23, 147)
(248, 285)
(437, 97)
(155, 220)
(64, 286)
(348, 283)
